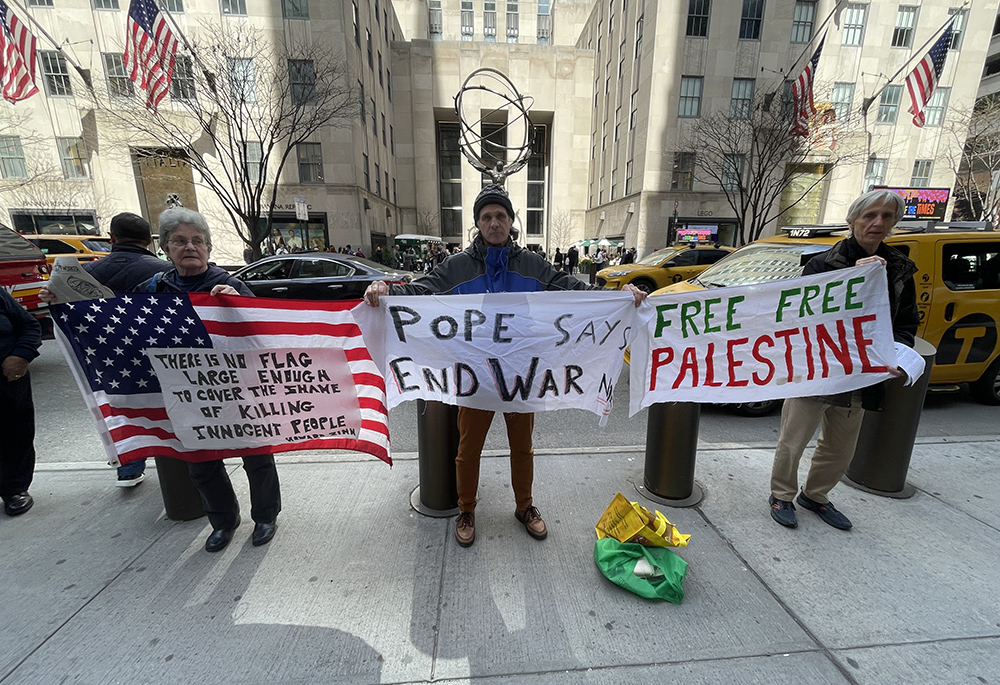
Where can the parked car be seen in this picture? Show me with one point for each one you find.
(316, 276)
(23, 272)
(958, 288)
(86, 248)
(662, 268)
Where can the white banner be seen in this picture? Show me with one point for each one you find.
(815, 335)
(511, 352)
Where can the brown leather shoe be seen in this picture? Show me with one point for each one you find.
(533, 522)
(465, 528)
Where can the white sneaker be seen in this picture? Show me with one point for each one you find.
(131, 482)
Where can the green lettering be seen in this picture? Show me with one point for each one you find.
(810, 294)
(661, 322)
(849, 302)
(784, 303)
(828, 298)
(687, 318)
(709, 315)
(731, 311)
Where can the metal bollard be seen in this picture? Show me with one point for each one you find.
(885, 444)
(437, 446)
(180, 497)
(671, 447)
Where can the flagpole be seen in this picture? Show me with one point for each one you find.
(190, 48)
(919, 52)
(818, 30)
(84, 73)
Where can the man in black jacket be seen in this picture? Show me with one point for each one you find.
(871, 218)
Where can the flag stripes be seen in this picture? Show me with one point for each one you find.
(18, 57)
(150, 48)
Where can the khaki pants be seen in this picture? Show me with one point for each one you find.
(834, 450)
(473, 425)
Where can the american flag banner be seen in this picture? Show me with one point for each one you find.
(803, 108)
(924, 78)
(17, 57)
(150, 47)
(105, 342)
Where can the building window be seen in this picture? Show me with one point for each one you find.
(73, 156)
(633, 113)
(243, 79)
(854, 17)
(392, 140)
(378, 180)
(958, 27)
(921, 177)
(698, 12)
(361, 91)
(490, 21)
(302, 79)
(935, 107)
(310, 157)
(434, 20)
(374, 119)
(234, 7)
(787, 101)
(683, 175)
(802, 22)
(512, 22)
(395, 198)
(383, 131)
(537, 173)
(888, 105)
(55, 73)
(468, 21)
(182, 83)
(732, 171)
(119, 85)
(388, 84)
(875, 173)
(175, 6)
(371, 60)
(357, 26)
(39, 3)
(843, 98)
(753, 13)
(450, 182)
(494, 147)
(638, 39)
(106, 4)
(628, 177)
(295, 9)
(544, 22)
(368, 178)
(380, 81)
(690, 100)
(906, 21)
(253, 156)
(742, 101)
(12, 163)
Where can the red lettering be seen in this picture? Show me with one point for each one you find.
(659, 361)
(862, 342)
(710, 367)
(787, 334)
(733, 364)
(689, 362)
(843, 355)
(763, 360)
(810, 365)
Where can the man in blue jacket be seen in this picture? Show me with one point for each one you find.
(493, 263)
(20, 338)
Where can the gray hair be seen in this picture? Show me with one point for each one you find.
(876, 197)
(171, 218)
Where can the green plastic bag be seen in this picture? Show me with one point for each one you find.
(617, 561)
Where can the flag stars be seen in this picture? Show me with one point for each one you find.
(119, 351)
(145, 310)
(142, 382)
(90, 317)
(140, 320)
(133, 331)
(96, 307)
(82, 328)
(153, 300)
(102, 340)
(108, 361)
(109, 329)
(171, 310)
(166, 319)
(160, 329)
(189, 321)
(114, 384)
(126, 299)
(116, 319)
(89, 351)
(127, 340)
(136, 361)
(126, 373)
(177, 340)
(151, 341)
(64, 316)
(120, 309)
(184, 329)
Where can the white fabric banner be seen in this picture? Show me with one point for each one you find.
(511, 352)
(815, 335)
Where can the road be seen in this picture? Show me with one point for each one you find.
(65, 431)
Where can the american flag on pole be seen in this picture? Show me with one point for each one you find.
(803, 108)
(150, 47)
(924, 78)
(104, 341)
(17, 57)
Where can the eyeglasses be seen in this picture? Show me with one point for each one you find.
(180, 242)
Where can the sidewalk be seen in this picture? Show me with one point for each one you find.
(357, 588)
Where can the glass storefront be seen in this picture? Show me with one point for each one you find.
(288, 234)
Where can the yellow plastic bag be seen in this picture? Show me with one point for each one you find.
(627, 521)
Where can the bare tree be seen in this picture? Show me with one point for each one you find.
(561, 229)
(747, 151)
(242, 103)
(975, 159)
(19, 135)
(427, 222)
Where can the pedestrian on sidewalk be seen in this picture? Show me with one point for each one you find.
(129, 264)
(493, 263)
(871, 218)
(20, 338)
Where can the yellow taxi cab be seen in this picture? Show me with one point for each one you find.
(958, 291)
(86, 248)
(663, 267)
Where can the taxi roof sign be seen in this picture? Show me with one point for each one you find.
(812, 230)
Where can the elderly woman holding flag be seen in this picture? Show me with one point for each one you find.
(187, 240)
(871, 218)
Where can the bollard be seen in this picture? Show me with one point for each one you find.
(180, 496)
(671, 447)
(885, 444)
(437, 446)
(593, 273)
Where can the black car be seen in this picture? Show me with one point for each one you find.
(316, 276)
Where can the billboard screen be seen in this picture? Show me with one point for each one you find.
(923, 203)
